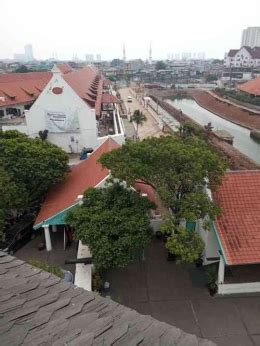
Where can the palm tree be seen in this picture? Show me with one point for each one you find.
(139, 118)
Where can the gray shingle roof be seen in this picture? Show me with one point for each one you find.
(37, 308)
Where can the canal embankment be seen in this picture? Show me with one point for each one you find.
(233, 113)
(237, 160)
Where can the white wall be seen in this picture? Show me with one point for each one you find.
(211, 244)
(67, 102)
(250, 287)
(20, 128)
(83, 273)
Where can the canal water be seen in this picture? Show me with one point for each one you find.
(242, 140)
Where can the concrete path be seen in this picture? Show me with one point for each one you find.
(176, 294)
(150, 127)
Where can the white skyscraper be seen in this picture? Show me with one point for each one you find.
(28, 52)
(89, 58)
(98, 58)
(251, 37)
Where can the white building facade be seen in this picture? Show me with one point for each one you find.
(77, 108)
(71, 122)
(245, 57)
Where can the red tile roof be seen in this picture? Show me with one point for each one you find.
(232, 52)
(239, 223)
(251, 87)
(109, 98)
(19, 88)
(64, 68)
(86, 174)
(87, 83)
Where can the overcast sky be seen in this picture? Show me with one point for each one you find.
(102, 26)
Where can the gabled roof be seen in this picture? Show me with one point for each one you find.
(38, 308)
(238, 226)
(64, 68)
(232, 52)
(18, 88)
(86, 174)
(109, 98)
(251, 87)
(87, 83)
(254, 52)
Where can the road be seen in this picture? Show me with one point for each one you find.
(150, 127)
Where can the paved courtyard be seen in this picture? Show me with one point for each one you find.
(55, 257)
(177, 295)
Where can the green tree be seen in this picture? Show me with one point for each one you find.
(11, 201)
(114, 223)
(138, 118)
(185, 244)
(160, 65)
(32, 164)
(178, 168)
(22, 69)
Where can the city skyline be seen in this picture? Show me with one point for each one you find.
(84, 29)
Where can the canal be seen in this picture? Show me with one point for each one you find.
(242, 140)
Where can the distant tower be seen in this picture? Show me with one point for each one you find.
(124, 55)
(150, 53)
(28, 52)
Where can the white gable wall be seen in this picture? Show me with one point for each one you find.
(69, 105)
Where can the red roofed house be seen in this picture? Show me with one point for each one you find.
(236, 233)
(76, 108)
(252, 87)
(243, 57)
(18, 91)
(67, 194)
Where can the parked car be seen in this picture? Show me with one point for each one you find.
(18, 235)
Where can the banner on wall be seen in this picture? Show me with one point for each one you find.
(62, 121)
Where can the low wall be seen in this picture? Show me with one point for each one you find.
(251, 287)
(83, 274)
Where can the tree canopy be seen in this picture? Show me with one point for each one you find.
(160, 65)
(185, 244)
(178, 168)
(29, 167)
(113, 222)
(33, 164)
(138, 118)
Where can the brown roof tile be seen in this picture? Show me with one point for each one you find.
(86, 174)
(239, 223)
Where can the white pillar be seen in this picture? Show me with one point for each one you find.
(47, 237)
(183, 223)
(221, 271)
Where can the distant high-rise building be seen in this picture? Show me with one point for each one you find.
(124, 54)
(98, 57)
(26, 56)
(150, 53)
(201, 56)
(186, 55)
(89, 58)
(251, 37)
(28, 52)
